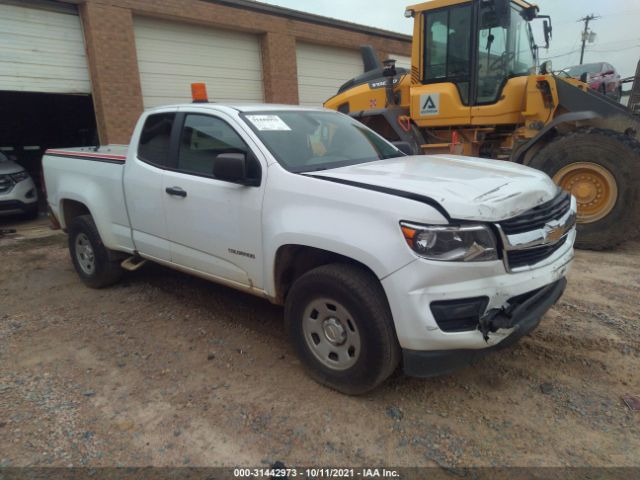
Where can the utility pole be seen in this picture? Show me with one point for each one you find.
(585, 33)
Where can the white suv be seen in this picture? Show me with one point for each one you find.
(18, 193)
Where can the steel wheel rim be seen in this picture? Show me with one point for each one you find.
(84, 254)
(594, 187)
(331, 334)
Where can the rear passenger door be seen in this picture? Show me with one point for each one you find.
(143, 182)
(214, 226)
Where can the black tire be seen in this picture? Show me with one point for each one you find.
(617, 153)
(361, 294)
(107, 269)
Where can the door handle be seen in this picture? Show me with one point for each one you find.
(176, 191)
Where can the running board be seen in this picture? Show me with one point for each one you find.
(133, 263)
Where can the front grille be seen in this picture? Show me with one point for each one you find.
(6, 183)
(11, 205)
(531, 256)
(537, 217)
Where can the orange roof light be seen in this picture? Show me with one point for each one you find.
(199, 93)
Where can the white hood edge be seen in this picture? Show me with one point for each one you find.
(467, 188)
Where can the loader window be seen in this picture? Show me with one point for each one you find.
(448, 47)
(504, 50)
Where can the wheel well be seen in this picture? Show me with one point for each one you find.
(293, 261)
(72, 209)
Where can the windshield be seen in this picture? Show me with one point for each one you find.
(306, 141)
(506, 49)
(577, 70)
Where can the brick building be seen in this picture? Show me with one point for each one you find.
(75, 70)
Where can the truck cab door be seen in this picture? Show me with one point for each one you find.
(443, 96)
(214, 226)
(143, 185)
(504, 63)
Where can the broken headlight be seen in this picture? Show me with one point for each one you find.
(467, 243)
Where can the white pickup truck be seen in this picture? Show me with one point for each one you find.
(379, 258)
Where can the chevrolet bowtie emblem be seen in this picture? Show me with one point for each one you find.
(553, 233)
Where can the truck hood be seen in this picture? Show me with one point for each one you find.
(467, 188)
(9, 167)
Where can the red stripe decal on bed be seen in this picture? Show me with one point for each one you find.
(67, 153)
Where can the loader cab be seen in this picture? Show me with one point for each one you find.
(473, 60)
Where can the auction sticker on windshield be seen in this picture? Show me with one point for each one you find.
(269, 123)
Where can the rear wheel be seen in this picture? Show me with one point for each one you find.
(601, 168)
(339, 321)
(96, 265)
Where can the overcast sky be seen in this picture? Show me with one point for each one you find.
(618, 31)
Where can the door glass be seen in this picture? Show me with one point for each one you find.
(490, 69)
(448, 47)
(153, 146)
(505, 50)
(203, 138)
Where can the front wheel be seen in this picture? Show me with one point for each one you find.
(95, 264)
(601, 168)
(339, 321)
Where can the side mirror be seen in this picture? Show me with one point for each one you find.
(234, 167)
(404, 147)
(584, 78)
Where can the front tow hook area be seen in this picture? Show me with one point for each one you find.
(517, 308)
(494, 320)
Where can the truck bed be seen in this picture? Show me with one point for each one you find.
(91, 176)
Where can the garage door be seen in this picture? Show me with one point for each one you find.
(173, 55)
(321, 71)
(42, 51)
(401, 61)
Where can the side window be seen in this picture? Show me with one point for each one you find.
(436, 46)
(153, 146)
(448, 48)
(203, 138)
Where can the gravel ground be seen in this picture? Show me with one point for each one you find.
(169, 370)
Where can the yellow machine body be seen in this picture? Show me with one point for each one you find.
(474, 88)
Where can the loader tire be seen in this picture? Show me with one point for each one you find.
(601, 168)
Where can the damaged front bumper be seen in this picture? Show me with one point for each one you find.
(446, 314)
(522, 316)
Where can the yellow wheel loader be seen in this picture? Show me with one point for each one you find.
(474, 88)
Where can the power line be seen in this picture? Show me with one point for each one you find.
(561, 54)
(615, 49)
(623, 12)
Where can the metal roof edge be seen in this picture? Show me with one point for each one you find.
(311, 18)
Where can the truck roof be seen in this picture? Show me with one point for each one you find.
(245, 108)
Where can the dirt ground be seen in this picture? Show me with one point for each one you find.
(169, 370)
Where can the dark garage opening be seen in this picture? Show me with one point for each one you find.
(30, 123)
